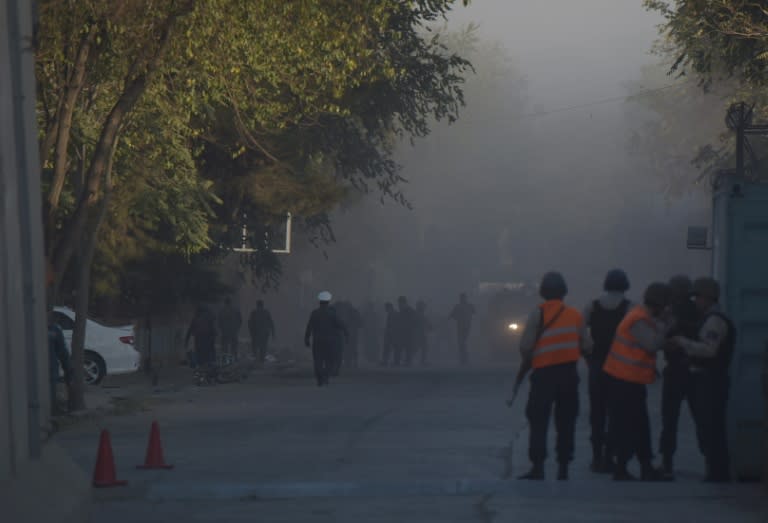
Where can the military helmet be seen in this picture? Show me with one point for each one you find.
(616, 281)
(681, 286)
(553, 286)
(707, 287)
(658, 295)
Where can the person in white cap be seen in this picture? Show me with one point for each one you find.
(323, 331)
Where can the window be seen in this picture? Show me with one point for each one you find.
(65, 322)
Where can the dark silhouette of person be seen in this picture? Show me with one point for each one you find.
(462, 314)
(203, 329)
(58, 359)
(353, 321)
(676, 386)
(407, 326)
(423, 328)
(370, 333)
(391, 333)
(323, 333)
(261, 327)
(230, 321)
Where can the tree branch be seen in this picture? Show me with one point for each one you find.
(249, 136)
(134, 89)
(63, 123)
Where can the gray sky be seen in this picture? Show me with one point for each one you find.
(572, 51)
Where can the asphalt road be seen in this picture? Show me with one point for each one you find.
(379, 446)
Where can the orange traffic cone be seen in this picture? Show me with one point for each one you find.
(154, 459)
(104, 472)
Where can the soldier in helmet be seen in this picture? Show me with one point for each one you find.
(603, 316)
(552, 343)
(676, 385)
(709, 355)
(324, 330)
(631, 366)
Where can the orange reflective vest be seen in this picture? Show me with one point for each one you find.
(628, 360)
(559, 342)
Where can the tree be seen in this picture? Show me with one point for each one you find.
(95, 61)
(133, 94)
(723, 46)
(673, 122)
(715, 37)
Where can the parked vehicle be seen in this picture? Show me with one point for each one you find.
(108, 350)
(508, 310)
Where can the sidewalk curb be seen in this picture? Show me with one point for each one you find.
(135, 490)
(257, 491)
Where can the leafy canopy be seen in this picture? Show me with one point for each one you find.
(711, 37)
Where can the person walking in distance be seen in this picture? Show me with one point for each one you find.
(423, 328)
(230, 321)
(709, 354)
(408, 324)
(322, 334)
(340, 342)
(261, 328)
(354, 330)
(391, 332)
(203, 329)
(676, 375)
(58, 358)
(551, 344)
(371, 333)
(462, 314)
(603, 316)
(353, 321)
(403, 326)
(631, 367)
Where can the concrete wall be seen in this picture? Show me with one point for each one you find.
(740, 256)
(31, 468)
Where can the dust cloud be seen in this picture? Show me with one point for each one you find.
(536, 174)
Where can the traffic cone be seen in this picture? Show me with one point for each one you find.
(104, 472)
(154, 459)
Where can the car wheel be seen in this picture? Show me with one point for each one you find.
(94, 368)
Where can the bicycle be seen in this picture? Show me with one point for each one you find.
(232, 372)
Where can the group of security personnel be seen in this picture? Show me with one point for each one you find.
(620, 341)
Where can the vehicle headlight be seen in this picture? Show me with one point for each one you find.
(513, 326)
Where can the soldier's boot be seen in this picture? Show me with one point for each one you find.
(536, 472)
(597, 460)
(620, 473)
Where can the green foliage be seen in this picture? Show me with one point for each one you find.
(710, 37)
(721, 45)
(248, 110)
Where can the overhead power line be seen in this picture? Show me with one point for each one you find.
(601, 101)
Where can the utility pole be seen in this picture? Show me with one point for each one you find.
(739, 119)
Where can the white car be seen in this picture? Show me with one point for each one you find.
(108, 350)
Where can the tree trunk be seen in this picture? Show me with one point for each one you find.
(61, 134)
(63, 245)
(82, 297)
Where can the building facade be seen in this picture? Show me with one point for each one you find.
(38, 482)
